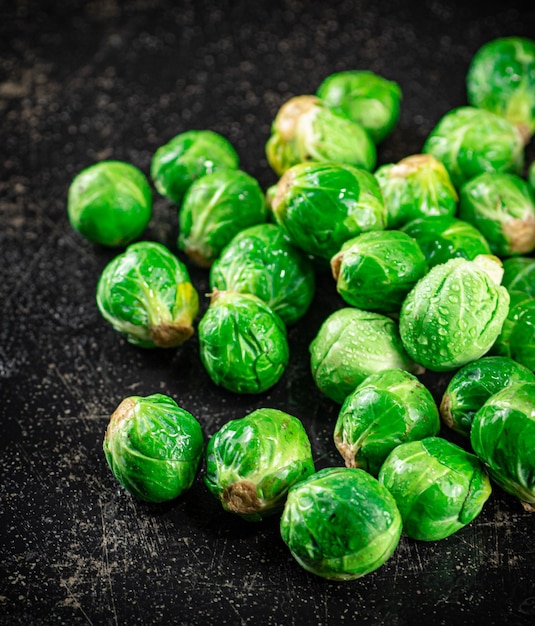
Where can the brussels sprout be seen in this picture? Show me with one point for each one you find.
(251, 462)
(340, 523)
(153, 447)
(503, 437)
(376, 270)
(442, 237)
(260, 260)
(417, 186)
(472, 385)
(188, 156)
(366, 98)
(517, 337)
(470, 141)
(439, 488)
(319, 206)
(350, 345)
(146, 294)
(215, 208)
(502, 207)
(243, 343)
(519, 275)
(307, 129)
(501, 79)
(110, 203)
(454, 313)
(386, 409)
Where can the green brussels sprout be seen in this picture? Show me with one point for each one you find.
(470, 141)
(307, 129)
(438, 487)
(188, 156)
(146, 294)
(517, 337)
(376, 270)
(454, 313)
(366, 98)
(243, 343)
(417, 186)
(442, 237)
(251, 462)
(473, 384)
(260, 260)
(110, 203)
(386, 409)
(153, 447)
(215, 208)
(502, 207)
(503, 437)
(340, 523)
(319, 206)
(501, 79)
(350, 345)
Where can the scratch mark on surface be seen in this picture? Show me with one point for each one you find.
(106, 556)
(30, 464)
(186, 542)
(76, 602)
(72, 389)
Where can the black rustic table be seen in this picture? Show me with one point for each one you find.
(86, 81)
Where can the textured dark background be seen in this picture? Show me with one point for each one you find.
(84, 81)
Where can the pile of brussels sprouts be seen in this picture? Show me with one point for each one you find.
(433, 257)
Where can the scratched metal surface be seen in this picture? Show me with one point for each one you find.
(83, 81)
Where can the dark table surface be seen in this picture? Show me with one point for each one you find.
(85, 81)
